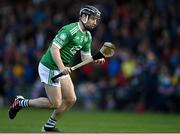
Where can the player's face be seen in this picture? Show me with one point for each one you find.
(92, 22)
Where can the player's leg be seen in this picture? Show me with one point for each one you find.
(56, 100)
(68, 95)
(53, 101)
(52, 89)
(69, 99)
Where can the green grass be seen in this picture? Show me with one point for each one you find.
(31, 121)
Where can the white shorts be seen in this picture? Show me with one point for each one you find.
(46, 74)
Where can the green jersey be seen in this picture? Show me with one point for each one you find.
(69, 40)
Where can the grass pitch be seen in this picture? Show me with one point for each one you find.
(31, 121)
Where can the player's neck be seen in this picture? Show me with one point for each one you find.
(82, 26)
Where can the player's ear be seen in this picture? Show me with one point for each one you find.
(84, 18)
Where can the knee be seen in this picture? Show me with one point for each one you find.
(71, 101)
(56, 104)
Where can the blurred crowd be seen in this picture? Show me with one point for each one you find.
(143, 75)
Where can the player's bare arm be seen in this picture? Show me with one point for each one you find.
(85, 56)
(57, 58)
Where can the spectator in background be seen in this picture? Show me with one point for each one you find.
(2, 87)
(165, 91)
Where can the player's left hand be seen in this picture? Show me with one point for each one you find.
(100, 61)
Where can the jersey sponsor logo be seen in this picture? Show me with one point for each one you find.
(75, 49)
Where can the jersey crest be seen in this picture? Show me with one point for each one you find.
(63, 36)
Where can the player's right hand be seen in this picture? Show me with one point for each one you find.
(66, 70)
